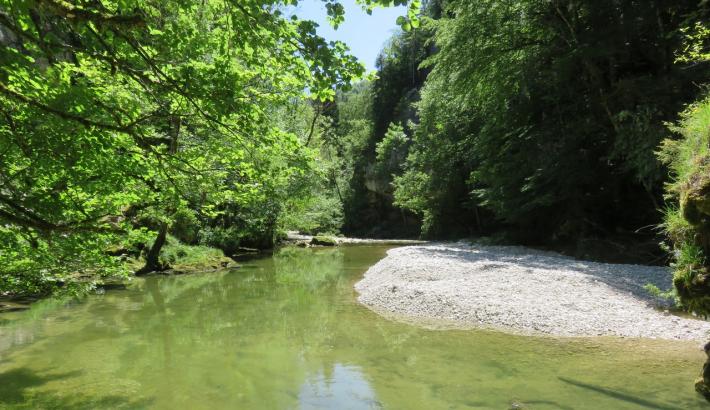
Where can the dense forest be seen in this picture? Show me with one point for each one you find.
(136, 130)
(132, 126)
(529, 117)
(138, 136)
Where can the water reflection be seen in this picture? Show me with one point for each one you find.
(340, 387)
(286, 332)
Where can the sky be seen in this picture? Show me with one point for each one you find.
(364, 34)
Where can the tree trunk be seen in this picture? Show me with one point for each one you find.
(152, 260)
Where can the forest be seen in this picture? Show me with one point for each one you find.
(140, 136)
(569, 125)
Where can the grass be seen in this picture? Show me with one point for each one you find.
(683, 154)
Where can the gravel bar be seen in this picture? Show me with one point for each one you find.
(340, 240)
(521, 290)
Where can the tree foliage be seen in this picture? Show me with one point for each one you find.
(547, 114)
(117, 116)
(392, 96)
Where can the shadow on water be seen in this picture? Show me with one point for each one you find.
(15, 385)
(619, 395)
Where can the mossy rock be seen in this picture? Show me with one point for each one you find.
(695, 198)
(693, 286)
(702, 388)
(324, 241)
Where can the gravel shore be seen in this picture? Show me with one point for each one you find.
(340, 240)
(523, 291)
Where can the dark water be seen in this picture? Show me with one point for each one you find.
(285, 332)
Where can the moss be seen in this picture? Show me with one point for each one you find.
(179, 258)
(695, 198)
(324, 241)
(693, 286)
(186, 258)
(688, 223)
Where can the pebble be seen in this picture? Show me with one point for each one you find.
(523, 291)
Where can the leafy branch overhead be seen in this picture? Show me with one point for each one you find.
(114, 109)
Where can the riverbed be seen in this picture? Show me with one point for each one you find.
(286, 332)
(522, 290)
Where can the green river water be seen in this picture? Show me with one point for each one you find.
(286, 332)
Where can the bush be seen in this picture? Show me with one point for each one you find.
(226, 239)
(319, 214)
(185, 226)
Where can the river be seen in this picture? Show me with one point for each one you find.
(286, 332)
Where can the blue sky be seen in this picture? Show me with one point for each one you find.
(364, 34)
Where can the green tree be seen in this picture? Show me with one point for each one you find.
(120, 110)
(392, 96)
(546, 114)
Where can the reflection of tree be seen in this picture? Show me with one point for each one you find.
(307, 268)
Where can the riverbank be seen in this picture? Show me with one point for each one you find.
(179, 259)
(176, 258)
(521, 290)
(299, 239)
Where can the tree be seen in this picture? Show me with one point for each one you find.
(392, 97)
(546, 115)
(118, 109)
